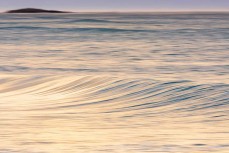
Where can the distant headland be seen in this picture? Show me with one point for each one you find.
(34, 10)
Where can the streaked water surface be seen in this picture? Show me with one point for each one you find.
(114, 82)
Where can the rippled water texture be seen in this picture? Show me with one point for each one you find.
(114, 83)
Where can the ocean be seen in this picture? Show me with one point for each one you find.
(114, 82)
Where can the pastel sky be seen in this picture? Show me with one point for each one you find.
(119, 5)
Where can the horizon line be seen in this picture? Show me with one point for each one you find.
(129, 12)
(124, 11)
(170, 11)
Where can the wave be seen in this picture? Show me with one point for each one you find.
(109, 30)
(93, 21)
(9, 68)
(126, 97)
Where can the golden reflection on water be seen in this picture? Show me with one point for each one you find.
(79, 114)
(36, 133)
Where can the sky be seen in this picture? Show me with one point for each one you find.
(119, 5)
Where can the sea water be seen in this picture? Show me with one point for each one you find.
(114, 82)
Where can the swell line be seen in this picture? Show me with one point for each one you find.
(112, 95)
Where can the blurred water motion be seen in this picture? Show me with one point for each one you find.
(114, 83)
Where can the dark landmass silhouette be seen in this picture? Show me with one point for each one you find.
(34, 10)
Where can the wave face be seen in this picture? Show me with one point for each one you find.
(93, 114)
(117, 83)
